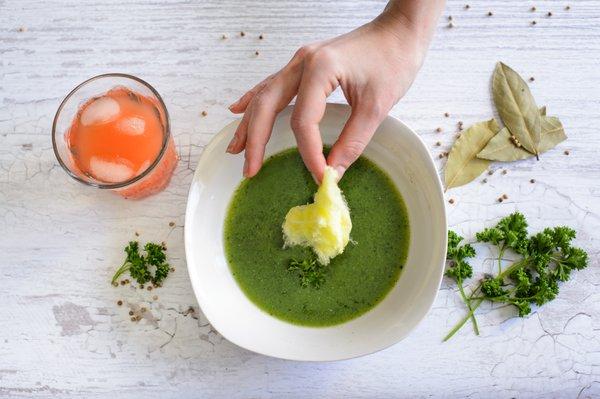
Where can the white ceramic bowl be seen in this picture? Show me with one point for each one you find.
(398, 151)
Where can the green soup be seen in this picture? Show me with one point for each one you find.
(355, 280)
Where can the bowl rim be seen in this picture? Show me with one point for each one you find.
(429, 301)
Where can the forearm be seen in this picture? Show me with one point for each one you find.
(415, 17)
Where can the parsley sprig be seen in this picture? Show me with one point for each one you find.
(138, 265)
(311, 272)
(545, 259)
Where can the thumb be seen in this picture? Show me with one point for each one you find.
(355, 136)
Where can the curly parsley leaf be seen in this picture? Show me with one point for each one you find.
(311, 272)
(137, 264)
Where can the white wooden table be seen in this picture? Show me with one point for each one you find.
(61, 332)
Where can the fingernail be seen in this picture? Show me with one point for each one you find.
(314, 177)
(340, 171)
(231, 144)
(233, 104)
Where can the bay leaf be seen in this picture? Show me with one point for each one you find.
(502, 148)
(463, 165)
(516, 107)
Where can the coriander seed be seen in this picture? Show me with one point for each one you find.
(532, 181)
(171, 224)
(567, 152)
(504, 196)
(119, 302)
(531, 79)
(155, 297)
(438, 143)
(446, 114)
(260, 37)
(549, 13)
(242, 33)
(500, 199)
(149, 288)
(484, 181)
(504, 171)
(451, 200)
(532, 9)
(450, 25)
(438, 129)
(223, 36)
(533, 22)
(467, 6)
(131, 313)
(204, 113)
(490, 14)
(567, 8)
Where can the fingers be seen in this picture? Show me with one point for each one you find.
(263, 109)
(238, 142)
(355, 136)
(242, 103)
(308, 112)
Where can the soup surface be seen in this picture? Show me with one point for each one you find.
(355, 281)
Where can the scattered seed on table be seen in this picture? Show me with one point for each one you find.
(131, 313)
(567, 8)
(484, 181)
(532, 181)
(532, 9)
(490, 14)
(446, 154)
(171, 224)
(504, 171)
(567, 152)
(137, 234)
(142, 286)
(451, 200)
(256, 53)
(149, 288)
(438, 129)
(446, 114)
(22, 29)
(119, 302)
(441, 156)
(204, 113)
(549, 13)
(500, 199)
(261, 37)
(223, 36)
(449, 17)
(533, 22)
(172, 269)
(490, 172)
(155, 297)
(115, 284)
(143, 310)
(438, 143)
(450, 25)
(504, 196)
(132, 319)
(242, 33)
(531, 79)
(467, 6)
(122, 282)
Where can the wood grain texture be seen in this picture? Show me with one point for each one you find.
(62, 333)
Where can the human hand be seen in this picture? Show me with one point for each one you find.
(374, 65)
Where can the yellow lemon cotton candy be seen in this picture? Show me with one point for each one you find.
(323, 225)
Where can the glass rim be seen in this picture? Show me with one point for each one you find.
(166, 132)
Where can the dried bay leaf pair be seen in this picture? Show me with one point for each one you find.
(502, 146)
(527, 131)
